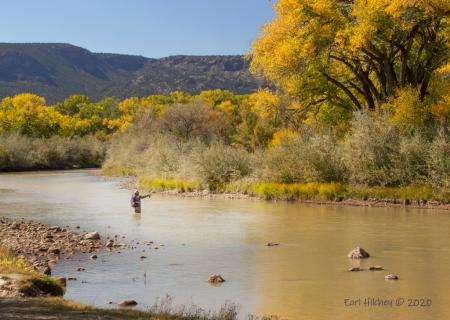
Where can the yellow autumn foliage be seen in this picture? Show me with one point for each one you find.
(331, 57)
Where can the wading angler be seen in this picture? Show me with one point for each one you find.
(136, 201)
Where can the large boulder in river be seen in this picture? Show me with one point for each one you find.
(127, 303)
(358, 253)
(92, 236)
(215, 278)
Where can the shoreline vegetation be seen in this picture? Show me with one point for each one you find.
(376, 159)
(223, 142)
(312, 193)
(50, 307)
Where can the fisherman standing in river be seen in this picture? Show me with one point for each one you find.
(136, 201)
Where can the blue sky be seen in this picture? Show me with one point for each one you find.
(151, 28)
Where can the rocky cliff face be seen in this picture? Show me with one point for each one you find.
(56, 71)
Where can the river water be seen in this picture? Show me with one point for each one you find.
(305, 277)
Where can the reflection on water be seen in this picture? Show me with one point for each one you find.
(305, 277)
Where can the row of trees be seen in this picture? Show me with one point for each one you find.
(78, 116)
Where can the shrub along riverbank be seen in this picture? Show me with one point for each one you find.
(376, 159)
(20, 152)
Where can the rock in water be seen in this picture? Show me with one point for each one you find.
(92, 236)
(215, 278)
(355, 269)
(62, 281)
(271, 244)
(47, 271)
(127, 303)
(358, 253)
(94, 256)
(54, 251)
(375, 268)
(391, 277)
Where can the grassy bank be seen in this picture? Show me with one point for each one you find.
(300, 192)
(125, 172)
(58, 308)
(11, 264)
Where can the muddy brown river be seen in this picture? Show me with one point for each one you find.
(305, 277)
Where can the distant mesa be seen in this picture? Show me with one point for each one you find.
(56, 71)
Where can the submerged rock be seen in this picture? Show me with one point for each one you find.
(215, 278)
(391, 277)
(358, 253)
(271, 244)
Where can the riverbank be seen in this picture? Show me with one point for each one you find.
(27, 248)
(58, 308)
(313, 193)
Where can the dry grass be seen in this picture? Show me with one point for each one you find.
(168, 184)
(162, 309)
(10, 263)
(119, 171)
(407, 193)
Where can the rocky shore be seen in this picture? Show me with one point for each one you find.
(34, 240)
(42, 246)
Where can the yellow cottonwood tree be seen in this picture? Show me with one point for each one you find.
(25, 112)
(341, 55)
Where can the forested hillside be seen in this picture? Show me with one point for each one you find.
(56, 71)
